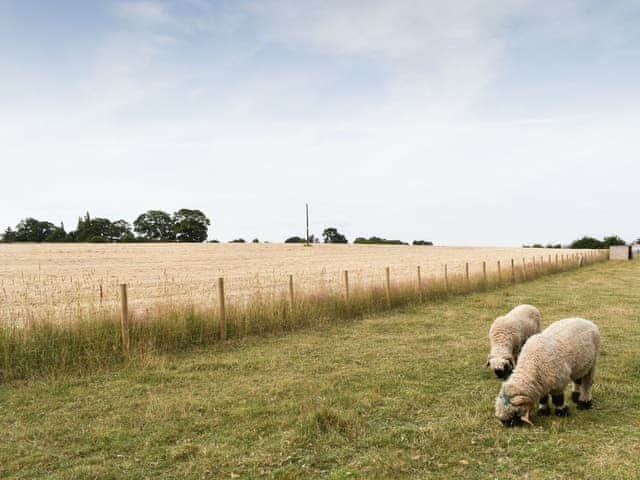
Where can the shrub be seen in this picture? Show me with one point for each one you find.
(295, 239)
(378, 241)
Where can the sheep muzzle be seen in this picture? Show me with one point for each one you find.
(503, 372)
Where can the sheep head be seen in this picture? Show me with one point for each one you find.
(501, 366)
(513, 410)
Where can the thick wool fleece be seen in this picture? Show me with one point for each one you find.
(565, 351)
(509, 333)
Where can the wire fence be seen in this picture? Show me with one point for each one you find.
(113, 320)
(59, 298)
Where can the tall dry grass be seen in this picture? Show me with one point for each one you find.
(93, 340)
(62, 282)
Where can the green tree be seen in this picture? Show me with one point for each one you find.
(57, 235)
(587, 242)
(32, 230)
(9, 235)
(101, 230)
(612, 240)
(120, 231)
(190, 225)
(155, 225)
(331, 235)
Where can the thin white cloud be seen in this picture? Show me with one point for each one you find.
(145, 12)
(438, 56)
(124, 71)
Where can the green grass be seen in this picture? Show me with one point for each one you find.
(401, 395)
(93, 343)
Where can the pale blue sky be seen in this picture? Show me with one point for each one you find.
(488, 123)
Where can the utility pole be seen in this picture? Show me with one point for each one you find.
(307, 207)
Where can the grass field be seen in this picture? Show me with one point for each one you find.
(402, 395)
(60, 282)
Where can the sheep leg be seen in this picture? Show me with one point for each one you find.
(544, 408)
(562, 410)
(575, 393)
(586, 400)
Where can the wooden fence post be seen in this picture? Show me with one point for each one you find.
(223, 313)
(524, 269)
(101, 295)
(419, 283)
(513, 271)
(124, 319)
(388, 286)
(466, 272)
(556, 259)
(534, 265)
(484, 272)
(446, 278)
(291, 298)
(346, 289)
(499, 272)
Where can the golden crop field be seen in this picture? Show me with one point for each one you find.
(60, 281)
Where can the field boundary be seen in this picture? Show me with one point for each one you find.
(93, 343)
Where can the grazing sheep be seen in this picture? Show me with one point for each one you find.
(508, 334)
(565, 351)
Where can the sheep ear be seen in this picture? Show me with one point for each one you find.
(520, 400)
(525, 418)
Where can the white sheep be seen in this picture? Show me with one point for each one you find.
(508, 334)
(565, 351)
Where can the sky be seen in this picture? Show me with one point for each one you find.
(459, 122)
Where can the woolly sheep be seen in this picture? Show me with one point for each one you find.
(565, 351)
(508, 334)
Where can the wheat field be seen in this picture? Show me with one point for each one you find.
(58, 282)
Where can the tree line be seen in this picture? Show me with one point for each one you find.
(184, 225)
(587, 242)
(187, 225)
(332, 235)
